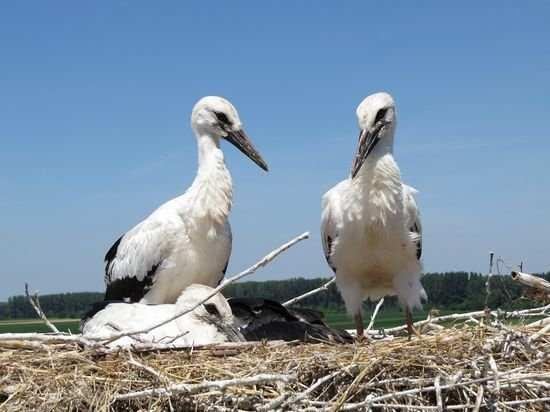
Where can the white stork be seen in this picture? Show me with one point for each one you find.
(188, 239)
(370, 225)
(211, 322)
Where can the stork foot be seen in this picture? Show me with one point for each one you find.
(410, 327)
(359, 328)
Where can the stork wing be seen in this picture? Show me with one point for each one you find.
(413, 218)
(330, 215)
(131, 263)
(260, 319)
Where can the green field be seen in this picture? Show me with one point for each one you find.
(384, 319)
(34, 325)
(336, 319)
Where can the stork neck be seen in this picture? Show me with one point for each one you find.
(378, 190)
(376, 162)
(212, 189)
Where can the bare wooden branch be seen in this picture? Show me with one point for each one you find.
(158, 375)
(540, 333)
(35, 303)
(540, 311)
(264, 261)
(373, 317)
(539, 323)
(533, 282)
(310, 293)
(438, 396)
(299, 396)
(220, 385)
(28, 339)
(488, 282)
(47, 337)
(479, 398)
(25, 345)
(505, 377)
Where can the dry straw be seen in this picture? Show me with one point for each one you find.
(463, 367)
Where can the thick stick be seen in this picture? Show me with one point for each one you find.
(531, 281)
(310, 293)
(268, 258)
(61, 338)
(45, 337)
(35, 303)
(209, 385)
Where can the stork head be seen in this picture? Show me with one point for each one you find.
(212, 316)
(215, 116)
(216, 305)
(377, 117)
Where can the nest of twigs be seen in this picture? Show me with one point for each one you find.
(462, 367)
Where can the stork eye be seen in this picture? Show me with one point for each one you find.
(212, 309)
(222, 118)
(380, 115)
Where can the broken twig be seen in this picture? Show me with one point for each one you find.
(35, 303)
(310, 293)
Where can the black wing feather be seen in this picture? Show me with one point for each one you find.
(224, 271)
(109, 257)
(416, 229)
(127, 289)
(130, 289)
(267, 319)
(329, 253)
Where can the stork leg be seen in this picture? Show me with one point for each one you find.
(410, 328)
(358, 318)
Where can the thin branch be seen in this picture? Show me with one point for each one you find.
(479, 398)
(438, 396)
(488, 282)
(373, 317)
(540, 333)
(35, 303)
(220, 385)
(310, 293)
(299, 396)
(160, 377)
(477, 314)
(506, 377)
(264, 261)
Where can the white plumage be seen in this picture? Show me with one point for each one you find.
(188, 239)
(370, 226)
(211, 322)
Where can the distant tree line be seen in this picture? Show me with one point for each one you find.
(451, 290)
(61, 305)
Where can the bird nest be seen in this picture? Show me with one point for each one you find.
(476, 366)
(473, 361)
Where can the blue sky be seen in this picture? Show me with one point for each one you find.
(95, 101)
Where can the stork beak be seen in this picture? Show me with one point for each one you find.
(240, 140)
(367, 142)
